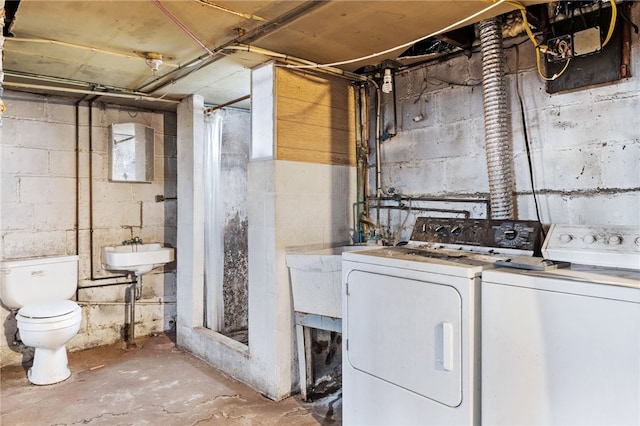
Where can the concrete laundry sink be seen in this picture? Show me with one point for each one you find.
(136, 258)
(316, 280)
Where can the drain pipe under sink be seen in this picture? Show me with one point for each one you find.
(495, 120)
(134, 291)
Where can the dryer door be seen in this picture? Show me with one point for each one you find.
(407, 333)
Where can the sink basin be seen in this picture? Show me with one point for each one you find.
(136, 258)
(316, 280)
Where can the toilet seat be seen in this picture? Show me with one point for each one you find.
(57, 313)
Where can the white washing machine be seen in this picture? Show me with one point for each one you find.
(410, 322)
(563, 346)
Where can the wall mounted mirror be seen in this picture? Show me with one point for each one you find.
(131, 150)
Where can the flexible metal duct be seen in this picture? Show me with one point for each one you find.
(495, 120)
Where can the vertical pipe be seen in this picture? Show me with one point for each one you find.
(366, 134)
(131, 333)
(495, 120)
(77, 212)
(90, 121)
(395, 106)
(625, 68)
(2, 13)
(379, 191)
(77, 200)
(357, 227)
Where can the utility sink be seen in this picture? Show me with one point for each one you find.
(316, 280)
(136, 258)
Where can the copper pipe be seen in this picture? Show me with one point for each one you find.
(625, 68)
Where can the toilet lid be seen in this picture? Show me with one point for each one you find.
(48, 309)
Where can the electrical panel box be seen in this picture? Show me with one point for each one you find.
(573, 45)
(579, 39)
(586, 41)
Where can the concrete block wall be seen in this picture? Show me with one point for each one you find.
(585, 143)
(38, 209)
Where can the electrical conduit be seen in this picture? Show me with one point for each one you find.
(495, 120)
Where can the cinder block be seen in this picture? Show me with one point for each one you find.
(60, 110)
(62, 163)
(457, 104)
(24, 244)
(24, 105)
(54, 216)
(10, 129)
(620, 164)
(47, 190)
(37, 134)
(24, 161)
(17, 216)
(466, 175)
(10, 188)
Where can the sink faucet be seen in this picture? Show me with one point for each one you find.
(134, 240)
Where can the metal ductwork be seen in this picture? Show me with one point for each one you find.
(495, 120)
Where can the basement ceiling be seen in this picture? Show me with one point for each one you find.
(75, 47)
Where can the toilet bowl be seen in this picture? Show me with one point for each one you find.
(47, 326)
(39, 289)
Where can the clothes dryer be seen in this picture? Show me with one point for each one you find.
(411, 321)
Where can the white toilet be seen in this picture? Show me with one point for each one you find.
(47, 320)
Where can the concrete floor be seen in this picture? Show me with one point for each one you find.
(155, 383)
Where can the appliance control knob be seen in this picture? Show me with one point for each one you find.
(614, 239)
(565, 238)
(441, 231)
(510, 234)
(638, 241)
(457, 231)
(589, 239)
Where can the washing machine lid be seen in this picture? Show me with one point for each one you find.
(48, 309)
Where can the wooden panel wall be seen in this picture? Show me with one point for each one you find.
(314, 118)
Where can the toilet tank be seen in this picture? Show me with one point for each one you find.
(37, 279)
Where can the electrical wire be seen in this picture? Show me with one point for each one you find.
(538, 47)
(467, 20)
(612, 24)
(543, 48)
(526, 141)
(72, 45)
(539, 67)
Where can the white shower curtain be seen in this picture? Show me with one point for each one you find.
(213, 222)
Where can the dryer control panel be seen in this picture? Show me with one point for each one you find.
(512, 234)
